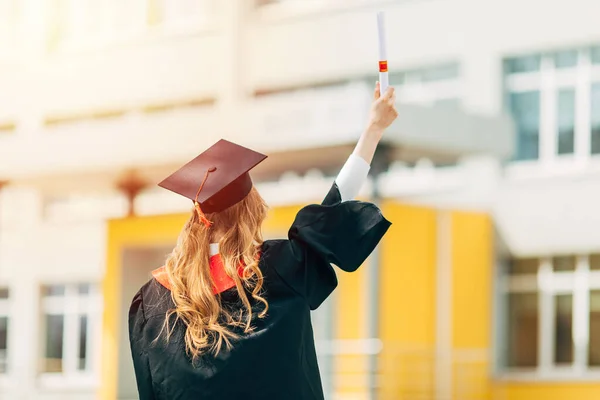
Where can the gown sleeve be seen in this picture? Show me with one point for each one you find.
(352, 176)
(342, 233)
(137, 321)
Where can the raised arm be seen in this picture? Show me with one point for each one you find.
(354, 172)
(338, 231)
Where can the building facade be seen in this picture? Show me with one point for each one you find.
(488, 284)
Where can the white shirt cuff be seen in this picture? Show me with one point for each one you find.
(352, 176)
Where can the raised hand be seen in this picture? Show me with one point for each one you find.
(383, 111)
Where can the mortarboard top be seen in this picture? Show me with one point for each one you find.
(218, 178)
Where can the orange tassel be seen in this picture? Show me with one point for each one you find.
(199, 211)
(201, 215)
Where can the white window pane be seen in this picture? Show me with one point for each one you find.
(566, 121)
(188, 7)
(265, 2)
(449, 103)
(566, 59)
(563, 329)
(98, 17)
(439, 73)
(522, 329)
(127, 15)
(83, 288)
(75, 18)
(3, 344)
(54, 343)
(524, 266)
(395, 78)
(563, 263)
(53, 290)
(595, 55)
(66, 324)
(83, 327)
(8, 19)
(525, 108)
(169, 11)
(523, 64)
(595, 262)
(594, 348)
(595, 118)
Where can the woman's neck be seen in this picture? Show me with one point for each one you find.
(215, 238)
(214, 249)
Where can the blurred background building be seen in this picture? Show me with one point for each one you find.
(486, 287)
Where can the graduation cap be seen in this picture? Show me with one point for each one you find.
(216, 179)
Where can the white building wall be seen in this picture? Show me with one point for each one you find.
(280, 45)
(476, 33)
(34, 252)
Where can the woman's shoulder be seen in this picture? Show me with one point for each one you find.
(269, 245)
(275, 255)
(274, 252)
(152, 299)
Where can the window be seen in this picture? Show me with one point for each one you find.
(70, 323)
(594, 349)
(437, 84)
(523, 64)
(523, 319)
(595, 55)
(88, 23)
(8, 19)
(595, 118)
(178, 13)
(566, 121)
(260, 3)
(82, 19)
(525, 108)
(563, 329)
(3, 330)
(549, 96)
(552, 314)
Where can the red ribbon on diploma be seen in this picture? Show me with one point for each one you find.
(383, 66)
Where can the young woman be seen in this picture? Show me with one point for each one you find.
(228, 315)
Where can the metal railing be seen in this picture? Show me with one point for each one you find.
(402, 373)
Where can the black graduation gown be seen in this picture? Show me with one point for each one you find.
(278, 360)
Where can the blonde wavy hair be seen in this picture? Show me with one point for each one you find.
(209, 325)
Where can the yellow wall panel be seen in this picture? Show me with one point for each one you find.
(279, 220)
(472, 264)
(547, 391)
(408, 265)
(407, 298)
(350, 323)
(350, 317)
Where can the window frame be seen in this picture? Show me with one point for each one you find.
(411, 89)
(548, 284)
(5, 311)
(278, 10)
(71, 306)
(184, 23)
(8, 28)
(68, 41)
(140, 29)
(548, 80)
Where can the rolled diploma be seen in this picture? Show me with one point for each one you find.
(383, 67)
